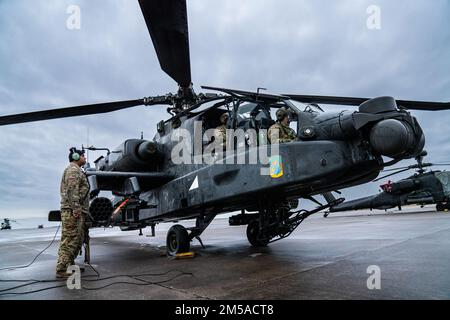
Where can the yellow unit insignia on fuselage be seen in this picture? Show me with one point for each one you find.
(276, 167)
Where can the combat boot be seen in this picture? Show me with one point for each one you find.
(62, 275)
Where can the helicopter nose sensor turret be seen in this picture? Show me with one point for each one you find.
(394, 138)
(379, 124)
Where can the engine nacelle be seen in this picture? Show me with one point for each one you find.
(133, 155)
(405, 186)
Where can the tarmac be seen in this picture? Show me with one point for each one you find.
(325, 258)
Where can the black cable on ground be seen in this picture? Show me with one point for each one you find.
(99, 279)
(35, 258)
(30, 292)
(30, 282)
(134, 277)
(145, 282)
(19, 286)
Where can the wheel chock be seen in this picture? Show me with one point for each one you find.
(185, 255)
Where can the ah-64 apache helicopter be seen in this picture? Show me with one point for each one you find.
(6, 224)
(424, 187)
(333, 151)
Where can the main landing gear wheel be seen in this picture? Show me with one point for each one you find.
(253, 234)
(177, 240)
(443, 206)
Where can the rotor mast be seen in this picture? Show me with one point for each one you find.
(167, 23)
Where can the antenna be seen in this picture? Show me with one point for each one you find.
(420, 164)
(260, 89)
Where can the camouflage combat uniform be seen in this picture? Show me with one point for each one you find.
(74, 198)
(220, 134)
(285, 133)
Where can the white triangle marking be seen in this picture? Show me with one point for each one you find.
(194, 184)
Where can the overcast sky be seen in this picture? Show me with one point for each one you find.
(305, 47)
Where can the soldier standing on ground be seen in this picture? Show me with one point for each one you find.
(74, 207)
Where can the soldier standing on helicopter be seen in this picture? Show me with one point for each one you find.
(74, 207)
(280, 132)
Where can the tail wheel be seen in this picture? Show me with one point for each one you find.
(177, 240)
(253, 234)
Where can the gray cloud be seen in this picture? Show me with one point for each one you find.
(310, 47)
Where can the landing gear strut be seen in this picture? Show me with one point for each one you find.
(254, 235)
(276, 223)
(179, 239)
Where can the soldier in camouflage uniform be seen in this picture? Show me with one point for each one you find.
(74, 207)
(220, 133)
(280, 132)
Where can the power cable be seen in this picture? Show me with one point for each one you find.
(137, 277)
(30, 282)
(35, 258)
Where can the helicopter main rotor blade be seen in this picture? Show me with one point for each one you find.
(352, 101)
(69, 112)
(424, 105)
(347, 101)
(396, 169)
(167, 23)
(415, 166)
(392, 174)
(252, 95)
